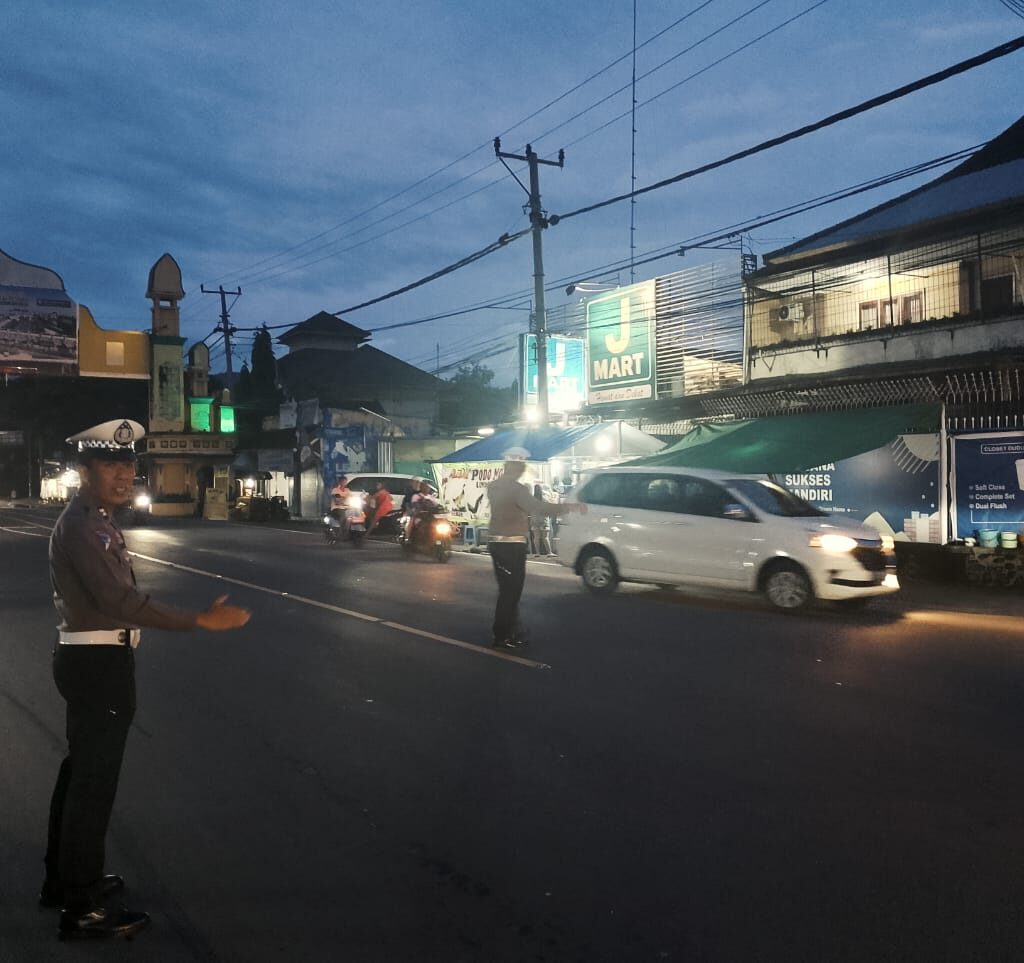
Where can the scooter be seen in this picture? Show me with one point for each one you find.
(432, 534)
(348, 523)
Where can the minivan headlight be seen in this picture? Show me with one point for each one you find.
(833, 542)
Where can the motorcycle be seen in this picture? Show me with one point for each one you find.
(348, 523)
(431, 535)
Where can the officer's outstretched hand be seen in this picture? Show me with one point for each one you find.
(219, 617)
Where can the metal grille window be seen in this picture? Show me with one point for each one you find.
(972, 277)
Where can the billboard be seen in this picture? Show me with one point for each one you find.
(895, 489)
(565, 372)
(620, 345)
(988, 483)
(38, 331)
(462, 487)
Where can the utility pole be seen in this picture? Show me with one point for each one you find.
(224, 326)
(538, 222)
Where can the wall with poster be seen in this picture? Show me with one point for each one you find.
(895, 489)
(988, 483)
(344, 452)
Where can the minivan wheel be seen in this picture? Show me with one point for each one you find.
(788, 588)
(598, 572)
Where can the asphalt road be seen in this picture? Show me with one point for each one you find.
(662, 776)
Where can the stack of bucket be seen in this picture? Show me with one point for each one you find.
(1007, 539)
(989, 539)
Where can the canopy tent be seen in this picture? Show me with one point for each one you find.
(549, 442)
(787, 443)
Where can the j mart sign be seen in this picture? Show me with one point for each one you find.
(620, 342)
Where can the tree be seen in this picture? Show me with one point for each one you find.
(468, 399)
(256, 392)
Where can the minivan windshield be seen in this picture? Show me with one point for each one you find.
(773, 498)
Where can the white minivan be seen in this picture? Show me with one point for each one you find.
(691, 526)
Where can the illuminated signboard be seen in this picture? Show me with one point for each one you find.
(620, 345)
(565, 372)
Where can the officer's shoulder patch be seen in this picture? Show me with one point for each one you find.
(104, 537)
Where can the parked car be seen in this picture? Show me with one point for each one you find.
(687, 526)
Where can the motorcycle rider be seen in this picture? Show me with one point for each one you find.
(339, 502)
(381, 503)
(420, 501)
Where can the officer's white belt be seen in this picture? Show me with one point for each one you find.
(517, 539)
(101, 637)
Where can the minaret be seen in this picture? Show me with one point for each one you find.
(167, 386)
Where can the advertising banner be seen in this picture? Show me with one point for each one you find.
(38, 331)
(167, 386)
(988, 483)
(566, 373)
(894, 489)
(344, 452)
(462, 487)
(620, 345)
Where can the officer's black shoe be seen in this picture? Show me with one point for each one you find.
(100, 923)
(52, 894)
(511, 643)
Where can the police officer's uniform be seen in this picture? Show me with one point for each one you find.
(512, 504)
(101, 612)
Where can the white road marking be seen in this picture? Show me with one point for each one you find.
(351, 613)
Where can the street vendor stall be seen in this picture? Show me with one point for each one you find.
(557, 456)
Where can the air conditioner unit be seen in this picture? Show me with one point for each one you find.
(793, 318)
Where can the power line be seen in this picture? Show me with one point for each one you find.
(995, 53)
(260, 277)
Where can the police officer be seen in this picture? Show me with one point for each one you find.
(511, 508)
(101, 611)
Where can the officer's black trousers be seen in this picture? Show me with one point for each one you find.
(509, 561)
(98, 685)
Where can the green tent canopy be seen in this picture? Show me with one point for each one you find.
(787, 443)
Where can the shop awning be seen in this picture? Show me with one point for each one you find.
(789, 443)
(544, 444)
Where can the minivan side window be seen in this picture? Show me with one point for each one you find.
(663, 494)
(613, 489)
(703, 497)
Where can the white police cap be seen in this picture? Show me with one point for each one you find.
(112, 440)
(516, 454)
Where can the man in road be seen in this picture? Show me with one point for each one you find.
(101, 611)
(511, 508)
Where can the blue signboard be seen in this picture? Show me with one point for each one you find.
(988, 483)
(565, 372)
(894, 489)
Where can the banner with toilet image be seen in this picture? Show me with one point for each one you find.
(988, 487)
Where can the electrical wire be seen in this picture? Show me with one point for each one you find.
(250, 276)
(964, 65)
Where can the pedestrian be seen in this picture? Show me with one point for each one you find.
(101, 613)
(540, 527)
(511, 507)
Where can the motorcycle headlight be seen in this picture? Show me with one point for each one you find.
(833, 542)
(355, 501)
(444, 529)
(142, 501)
(327, 519)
